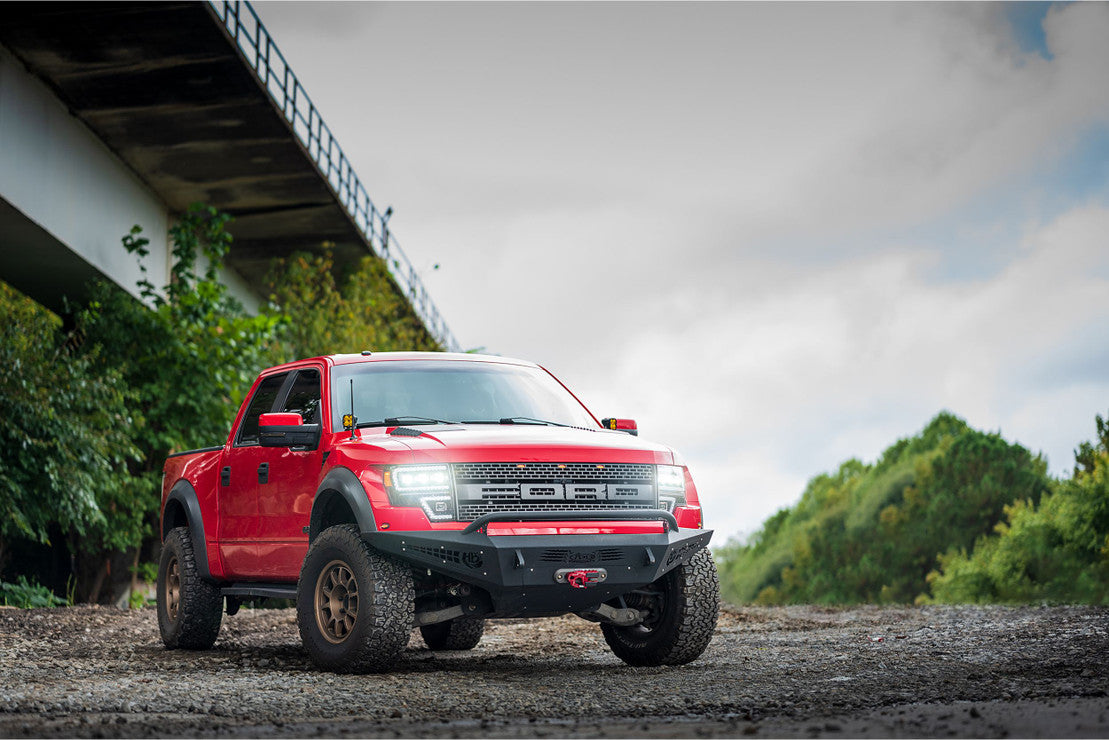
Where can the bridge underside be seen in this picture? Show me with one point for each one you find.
(166, 90)
(56, 272)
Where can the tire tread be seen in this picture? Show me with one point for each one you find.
(462, 633)
(387, 601)
(200, 612)
(697, 588)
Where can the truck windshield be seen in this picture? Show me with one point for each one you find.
(419, 392)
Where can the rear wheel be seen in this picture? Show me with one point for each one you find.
(354, 605)
(189, 608)
(680, 611)
(463, 633)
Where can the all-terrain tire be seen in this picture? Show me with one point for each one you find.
(355, 606)
(190, 609)
(681, 626)
(463, 633)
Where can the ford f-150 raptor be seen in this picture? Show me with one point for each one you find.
(389, 491)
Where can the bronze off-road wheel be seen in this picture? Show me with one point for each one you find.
(189, 608)
(680, 615)
(354, 605)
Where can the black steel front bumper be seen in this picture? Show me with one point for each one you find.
(527, 574)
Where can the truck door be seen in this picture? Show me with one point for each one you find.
(240, 470)
(285, 497)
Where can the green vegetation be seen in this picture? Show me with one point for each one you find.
(350, 313)
(1057, 551)
(952, 514)
(188, 355)
(65, 432)
(88, 416)
(25, 594)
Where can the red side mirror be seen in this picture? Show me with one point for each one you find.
(280, 420)
(287, 430)
(621, 425)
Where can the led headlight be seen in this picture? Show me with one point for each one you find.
(671, 487)
(426, 486)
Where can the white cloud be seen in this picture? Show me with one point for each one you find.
(845, 361)
(721, 218)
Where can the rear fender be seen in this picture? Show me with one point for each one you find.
(182, 508)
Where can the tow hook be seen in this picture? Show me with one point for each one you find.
(581, 577)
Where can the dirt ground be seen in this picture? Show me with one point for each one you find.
(794, 671)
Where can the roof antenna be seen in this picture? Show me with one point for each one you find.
(353, 419)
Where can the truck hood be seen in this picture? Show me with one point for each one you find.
(520, 442)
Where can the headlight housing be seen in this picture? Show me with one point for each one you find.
(428, 486)
(671, 487)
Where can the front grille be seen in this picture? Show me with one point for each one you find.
(544, 471)
(467, 512)
(485, 488)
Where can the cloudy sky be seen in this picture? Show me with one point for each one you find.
(778, 236)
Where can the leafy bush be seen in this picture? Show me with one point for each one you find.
(27, 595)
(66, 430)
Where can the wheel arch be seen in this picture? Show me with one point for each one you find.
(340, 499)
(182, 509)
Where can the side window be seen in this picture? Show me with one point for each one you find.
(260, 403)
(304, 396)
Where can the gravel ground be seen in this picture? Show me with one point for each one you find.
(794, 671)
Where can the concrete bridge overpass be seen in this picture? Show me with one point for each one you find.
(116, 113)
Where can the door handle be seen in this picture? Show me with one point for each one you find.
(264, 473)
(225, 476)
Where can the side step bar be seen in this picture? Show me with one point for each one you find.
(261, 590)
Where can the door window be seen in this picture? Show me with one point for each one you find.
(261, 403)
(304, 396)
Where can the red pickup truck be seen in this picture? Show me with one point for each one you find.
(388, 491)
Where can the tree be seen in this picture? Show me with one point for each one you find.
(345, 313)
(65, 431)
(189, 352)
(1056, 550)
(873, 533)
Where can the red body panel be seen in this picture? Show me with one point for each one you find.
(201, 470)
(257, 531)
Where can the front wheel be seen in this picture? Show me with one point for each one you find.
(354, 605)
(680, 611)
(189, 608)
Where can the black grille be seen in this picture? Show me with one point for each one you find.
(485, 488)
(471, 510)
(469, 559)
(604, 555)
(544, 471)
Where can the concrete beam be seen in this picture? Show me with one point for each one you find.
(165, 89)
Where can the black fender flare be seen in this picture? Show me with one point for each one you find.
(341, 483)
(184, 495)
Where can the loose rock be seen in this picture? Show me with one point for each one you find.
(795, 671)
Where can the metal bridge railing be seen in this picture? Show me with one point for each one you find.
(268, 63)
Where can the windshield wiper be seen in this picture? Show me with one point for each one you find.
(516, 420)
(393, 421)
